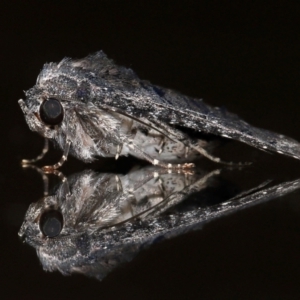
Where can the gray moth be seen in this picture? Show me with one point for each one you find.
(92, 108)
(89, 203)
(101, 220)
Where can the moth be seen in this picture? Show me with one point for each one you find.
(62, 226)
(103, 220)
(92, 108)
(88, 201)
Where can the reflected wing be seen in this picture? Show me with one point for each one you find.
(97, 254)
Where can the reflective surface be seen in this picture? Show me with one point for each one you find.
(93, 222)
(241, 56)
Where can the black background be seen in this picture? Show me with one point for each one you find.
(241, 54)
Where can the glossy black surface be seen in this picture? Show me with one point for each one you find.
(244, 56)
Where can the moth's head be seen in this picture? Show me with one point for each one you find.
(78, 204)
(49, 218)
(59, 87)
(43, 114)
(44, 228)
(43, 220)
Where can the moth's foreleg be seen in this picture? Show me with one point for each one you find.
(44, 175)
(62, 160)
(39, 157)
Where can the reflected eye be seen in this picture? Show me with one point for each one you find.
(51, 112)
(51, 223)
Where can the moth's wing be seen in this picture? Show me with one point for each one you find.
(218, 121)
(176, 109)
(100, 66)
(141, 100)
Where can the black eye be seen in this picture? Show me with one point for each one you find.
(51, 112)
(51, 223)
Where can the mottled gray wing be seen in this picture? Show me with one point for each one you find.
(119, 89)
(178, 110)
(220, 122)
(124, 92)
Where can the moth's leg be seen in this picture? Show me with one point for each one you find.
(161, 187)
(178, 136)
(203, 152)
(186, 151)
(119, 183)
(65, 189)
(155, 161)
(161, 145)
(177, 197)
(43, 175)
(39, 157)
(119, 150)
(61, 161)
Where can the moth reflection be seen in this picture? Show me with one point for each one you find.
(94, 222)
(89, 201)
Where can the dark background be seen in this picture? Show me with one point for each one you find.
(243, 55)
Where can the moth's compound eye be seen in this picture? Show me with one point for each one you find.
(51, 112)
(51, 223)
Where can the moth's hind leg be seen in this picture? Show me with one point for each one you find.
(203, 152)
(39, 157)
(140, 153)
(176, 135)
